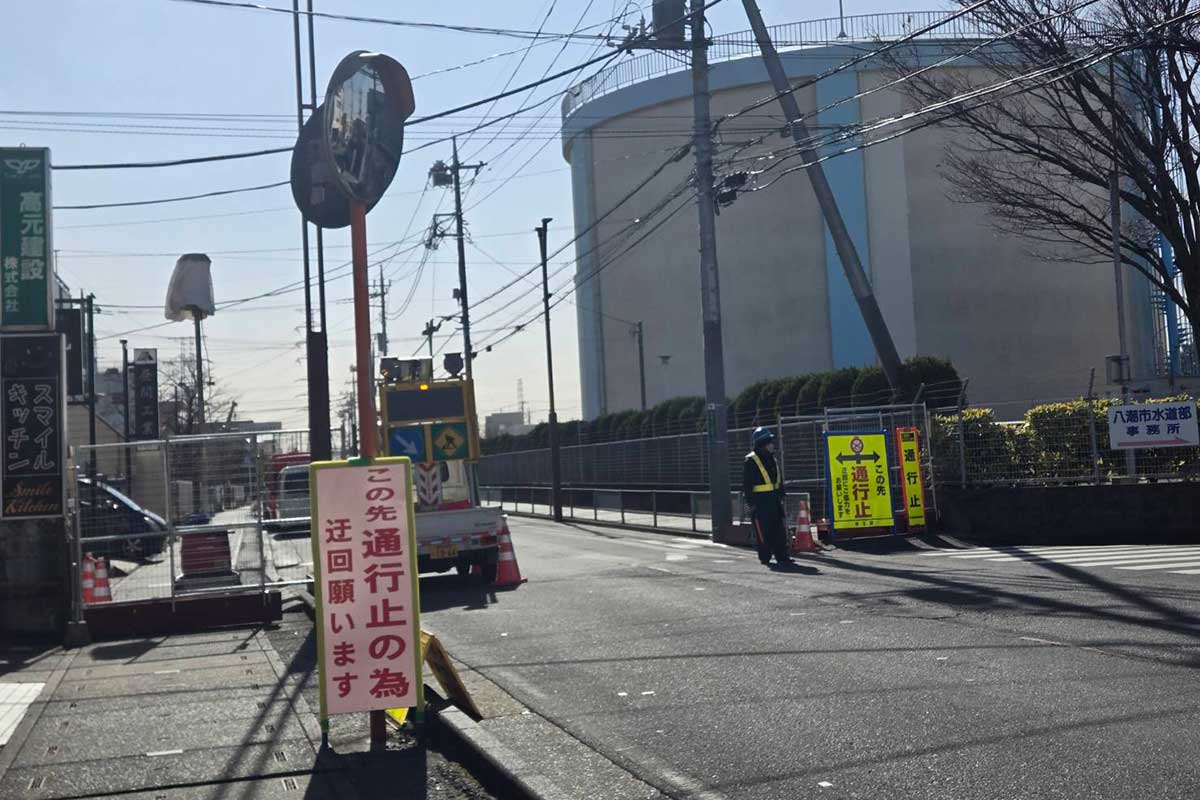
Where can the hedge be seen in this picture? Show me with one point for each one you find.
(760, 403)
(1052, 444)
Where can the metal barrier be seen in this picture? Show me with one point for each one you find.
(678, 462)
(662, 509)
(187, 516)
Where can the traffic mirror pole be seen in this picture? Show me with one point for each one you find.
(368, 443)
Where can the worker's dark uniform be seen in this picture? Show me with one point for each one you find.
(763, 490)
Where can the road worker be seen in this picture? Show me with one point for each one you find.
(762, 485)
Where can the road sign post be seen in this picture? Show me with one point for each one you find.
(366, 587)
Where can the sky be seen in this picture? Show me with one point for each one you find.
(207, 80)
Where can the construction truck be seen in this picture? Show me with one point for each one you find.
(434, 424)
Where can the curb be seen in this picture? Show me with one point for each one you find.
(518, 778)
(457, 732)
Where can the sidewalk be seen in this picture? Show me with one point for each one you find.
(210, 715)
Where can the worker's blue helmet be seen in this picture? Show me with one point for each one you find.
(762, 436)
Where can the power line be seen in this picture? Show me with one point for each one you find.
(220, 193)
(506, 32)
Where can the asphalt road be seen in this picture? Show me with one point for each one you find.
(883, 673)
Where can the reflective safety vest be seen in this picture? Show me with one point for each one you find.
(766, 485)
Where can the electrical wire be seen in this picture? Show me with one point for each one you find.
(220, 193)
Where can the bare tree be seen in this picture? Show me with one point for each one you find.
(179, 387)
(1074, 93)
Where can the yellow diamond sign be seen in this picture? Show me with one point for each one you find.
(451, 442)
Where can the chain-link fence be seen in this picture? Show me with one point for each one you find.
(1054, 444)
(188, 515)
(681, 462)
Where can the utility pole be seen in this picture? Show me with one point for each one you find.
(639, 334)
(710, 288)
(125, 386)
(555, 454)
(430, 330)
(316, 341)
(441, 178)
(91, 323)
(382, 295)
(847, 253)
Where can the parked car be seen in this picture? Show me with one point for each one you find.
(291, 502)
(105, 512)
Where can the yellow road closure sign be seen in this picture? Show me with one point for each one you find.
(908, 445)
(858, 478)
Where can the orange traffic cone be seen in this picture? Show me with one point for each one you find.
(508, 574)
(101, 593)
(87, 574)
(805, 540)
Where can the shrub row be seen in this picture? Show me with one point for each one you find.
(760, 403)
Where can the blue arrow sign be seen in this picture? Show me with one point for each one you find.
(408, 442)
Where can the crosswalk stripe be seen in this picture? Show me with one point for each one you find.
(1071, 550)
(1115, 560)
(1179, 559)
(1166, 564)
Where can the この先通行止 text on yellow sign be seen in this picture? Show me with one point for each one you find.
(909, 448)
(858, 481)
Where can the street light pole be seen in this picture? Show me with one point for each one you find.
(710, 289)
(639, 332)
(555, 454)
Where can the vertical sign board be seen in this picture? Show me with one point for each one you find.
(144, 382)
(365, 577)
(32, 451)
(1153, 425)
(26, 268)
(858, 481)
(70, 324)
(908, 446)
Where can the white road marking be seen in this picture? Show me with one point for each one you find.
(160, 753)
(1138, 558)
(1166, 564)
(676, 557)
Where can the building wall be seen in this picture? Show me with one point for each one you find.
(948, 283)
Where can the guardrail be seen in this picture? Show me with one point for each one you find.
(661, 509)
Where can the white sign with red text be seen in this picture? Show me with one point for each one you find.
(365, 575)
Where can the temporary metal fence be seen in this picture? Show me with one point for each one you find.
(186, 516)
(680, 462)
(662, 509)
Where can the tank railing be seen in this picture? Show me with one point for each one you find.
(786, 36)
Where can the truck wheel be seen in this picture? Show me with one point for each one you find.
(488, 573)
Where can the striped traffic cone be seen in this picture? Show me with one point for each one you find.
(508, 573)
(805, 541)
(102, 593)
(87, 574)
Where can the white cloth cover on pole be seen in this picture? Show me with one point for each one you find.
(191, 288)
